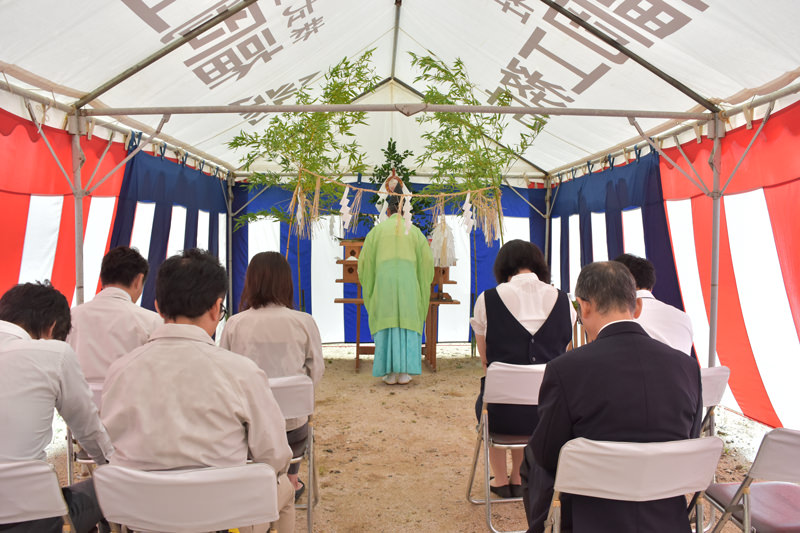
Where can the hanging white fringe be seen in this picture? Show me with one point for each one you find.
(405, 200)
(344, 209)
(468, 219)
(443, 245)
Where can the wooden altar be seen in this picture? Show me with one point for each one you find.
(441, 277)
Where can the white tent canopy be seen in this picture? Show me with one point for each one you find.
(724, 53)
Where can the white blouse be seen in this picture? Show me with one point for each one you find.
(527, 298)
(281, 341)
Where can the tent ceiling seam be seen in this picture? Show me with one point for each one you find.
(635, 57)
(183, 39)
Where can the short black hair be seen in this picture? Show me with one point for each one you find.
(121, 265)
(188, 284)
(643, 271)
(608, 285)
(518, 254)
(35, 307)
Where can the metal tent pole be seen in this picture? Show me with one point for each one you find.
(78, 193)
(716, 195)
(548, 181)
(229, 240)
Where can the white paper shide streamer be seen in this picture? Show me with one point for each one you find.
(468, 219)
(443, 246)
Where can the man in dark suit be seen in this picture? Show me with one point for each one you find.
(622, 386)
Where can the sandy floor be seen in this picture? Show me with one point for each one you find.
(397, 458)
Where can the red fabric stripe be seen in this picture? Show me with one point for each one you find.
(13, 220)
(23, 153)
(733, 344)
(782, 202)
(773, 159)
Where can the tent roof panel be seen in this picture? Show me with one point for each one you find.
(264, 53)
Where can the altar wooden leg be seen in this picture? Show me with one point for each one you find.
(358, 335)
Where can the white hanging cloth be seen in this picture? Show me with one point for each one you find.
(443, 245)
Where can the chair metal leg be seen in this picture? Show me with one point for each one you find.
(475, 456)
(698, 513)
(70, 458)
(746, 509)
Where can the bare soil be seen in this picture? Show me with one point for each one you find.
(395, 458)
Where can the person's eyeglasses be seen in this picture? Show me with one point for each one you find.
(578, 312)
(222, 312)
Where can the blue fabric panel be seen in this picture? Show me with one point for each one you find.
(658, 247)
(213, 235)
(165, 183)
(162, 220)
(614, 220)
(240, 257)
(585, 230)
(537, 221)
(612, 191)
(190, 236)
(565, 281)
(298, 254)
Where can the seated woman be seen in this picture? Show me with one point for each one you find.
(280, 340)
(523, 321)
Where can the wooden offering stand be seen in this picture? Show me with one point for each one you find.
(352, 249)
(441, 277)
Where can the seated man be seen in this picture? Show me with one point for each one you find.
(661, 321)
(111, 325)
(622, 386)
(39, 372)
(179, 401)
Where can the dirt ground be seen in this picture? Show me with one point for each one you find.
(397, 458)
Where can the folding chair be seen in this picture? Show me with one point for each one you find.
(770, 506)
(29, 490)
(509, 384)
(97, 396)
(715, 381)
(295, 397)
(634, 471)
(205, 499)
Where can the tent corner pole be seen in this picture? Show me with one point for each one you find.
(78, 193)
(548, 208)
(716, 195)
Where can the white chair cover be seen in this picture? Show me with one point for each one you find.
(637, 471)
(206, 499)
(294, 394)
(513, 384)
(29, 490)
(715, 381)
(778, 457)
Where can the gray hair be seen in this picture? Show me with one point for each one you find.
(609, 285)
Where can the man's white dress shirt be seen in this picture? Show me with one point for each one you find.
(525, 297)
(106, 328)
(665, 323)
(179, 401)
(281, 341)
(35, 377)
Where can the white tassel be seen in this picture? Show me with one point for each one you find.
(345, 210)
(468, 219)
(405, 208)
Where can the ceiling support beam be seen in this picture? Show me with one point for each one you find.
(116, 80)
(397, 4)
(649, 66)
(406, 109)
